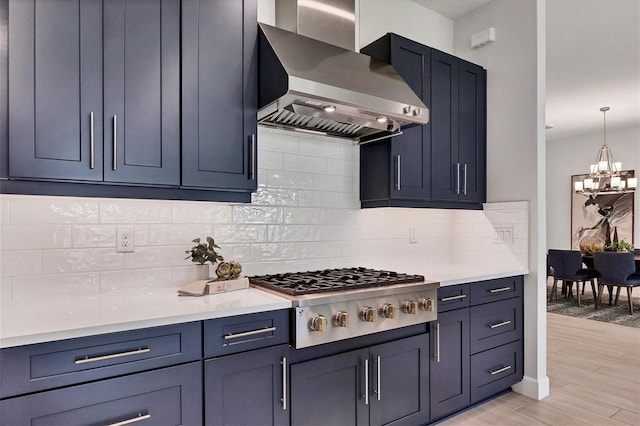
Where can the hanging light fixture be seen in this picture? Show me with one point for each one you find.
(605, 175)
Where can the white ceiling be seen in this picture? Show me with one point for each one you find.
(593, 60)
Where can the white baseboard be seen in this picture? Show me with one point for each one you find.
(533, 388)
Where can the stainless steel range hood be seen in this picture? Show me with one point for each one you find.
(308, 85)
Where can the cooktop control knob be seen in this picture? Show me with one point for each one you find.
(368, 314)
(426, 304)
(387, 311)
(341, 319)
(410, 307)
(318, 323)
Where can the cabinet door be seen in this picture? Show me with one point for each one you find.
(472, 145)
(55, 89)
(247, 388)
(450, 379)
(219, 94)
(168, 396)
(411, 151)
(445, 175)
(400, 382)
(331, 390)
(142, 91)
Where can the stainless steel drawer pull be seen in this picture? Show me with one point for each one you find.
(458, 178)
(437, 354)
(500, 324)
(252, 147)
(87, 359)
(138, 418)
(465, 179)
(446, 299)
(249, 333)
(398, 176)
(499, 290)
(366, 382)
(284, 383)
(379, 385)
(500, 370)
(115, 142)
(93, 146)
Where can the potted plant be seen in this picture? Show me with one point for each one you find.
(201, 253)
(620, 246)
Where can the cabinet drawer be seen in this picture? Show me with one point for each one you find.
(495, 370)
(168, 396)
(453, 297)
(224, 336)
(494, 324)
(498, 289)
(31, 368)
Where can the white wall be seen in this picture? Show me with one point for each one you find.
(515, 65)
(572, 156)
(406, 18)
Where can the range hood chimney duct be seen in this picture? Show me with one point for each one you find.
(311, 80)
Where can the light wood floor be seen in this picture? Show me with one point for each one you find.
(594, 370)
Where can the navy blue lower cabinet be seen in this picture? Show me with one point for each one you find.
(168, 396)
(399, 374)
(331, 390)
(449, 372)
(247, 388)
(495, 370)
(385, 384)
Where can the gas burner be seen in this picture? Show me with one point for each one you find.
(332, 280)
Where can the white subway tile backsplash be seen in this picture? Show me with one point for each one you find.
(289, 179)
(35, 237)
(274, 251)
(257, 214)
(53, 210)
(82, 260)
(305, 215)
(119, 211)
(288, 233)
(301, 215)
(240, 233)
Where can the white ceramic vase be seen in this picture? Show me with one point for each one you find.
(200, 272)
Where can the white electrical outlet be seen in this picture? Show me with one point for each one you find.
(413, 237)
(124, 239)
(503, 234)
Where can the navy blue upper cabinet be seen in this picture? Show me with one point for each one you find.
(71, 57)
(405, 158)
(443, 163)
(219, 94)
(142, 91)
(55, 89)
(458, 130)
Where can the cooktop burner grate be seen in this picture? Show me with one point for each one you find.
(332, 280)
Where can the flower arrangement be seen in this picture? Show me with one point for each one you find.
(203, 252)
(620, 246)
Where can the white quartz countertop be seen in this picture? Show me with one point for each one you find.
(37, 321)
(27, 322)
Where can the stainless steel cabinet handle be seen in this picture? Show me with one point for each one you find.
(446, 299)
(366, 382)
(499, 290)
(138, 418)
(500, 370)
(252, 148)
(500, 324)
(458, 178)
(115, 142)
(437, 354)
(87, 359)
(284, 383)
(378, 385)
(465, 179)
(92, 146)
(398, 175)
(249, 333)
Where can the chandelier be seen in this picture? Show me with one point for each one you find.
(606, 175)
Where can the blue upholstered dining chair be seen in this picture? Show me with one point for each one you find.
(617, 269)
(567, 267)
